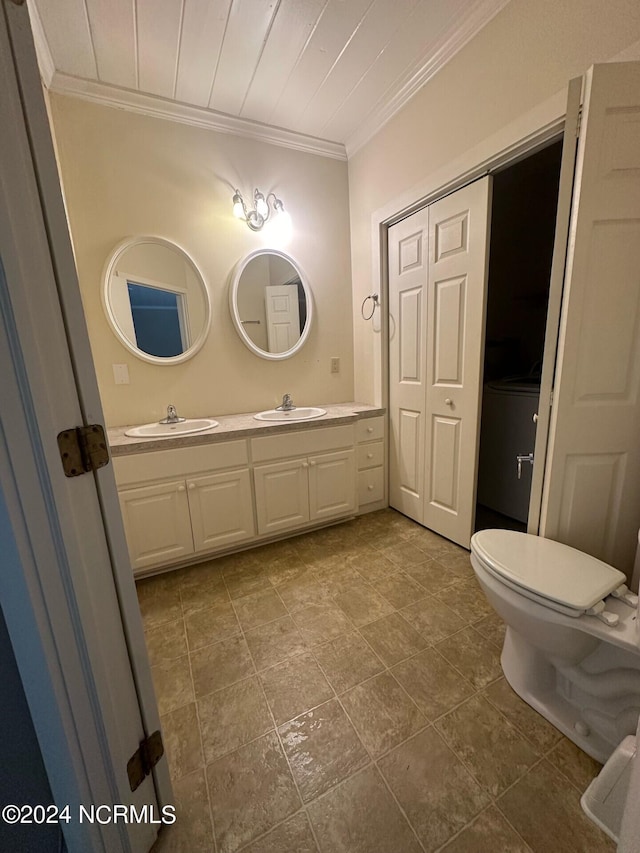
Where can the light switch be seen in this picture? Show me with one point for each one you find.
(335, 365)
(121, 374)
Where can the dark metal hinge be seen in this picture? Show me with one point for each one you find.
(144, 759)
(83, 449)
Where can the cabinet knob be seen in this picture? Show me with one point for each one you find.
(312, 462)
(369, 455)
(181, 489)
(370, 487)
(305, 464)
(192, 485)
(448, 401)
(369, 429)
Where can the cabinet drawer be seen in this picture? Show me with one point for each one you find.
(301, 443)
(370, 455)
(370, 486)
(179, 462)
(369, 429)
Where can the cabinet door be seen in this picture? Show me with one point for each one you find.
(221, 510)
(157, 523)
(282, 495)
(332, 489)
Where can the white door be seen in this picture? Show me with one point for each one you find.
(591, 497)
(437, 297)
(283, 316)
(407, 362)
(456, 307)
(563, 213)
(67, 610)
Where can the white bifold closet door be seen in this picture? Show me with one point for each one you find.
(437, 301)
(591, 493)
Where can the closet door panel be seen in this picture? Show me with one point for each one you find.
(407, 363)
(456, 305)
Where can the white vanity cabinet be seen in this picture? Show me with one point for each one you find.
(170, 514)
(183, 502)
(370, 458)
(303, 477)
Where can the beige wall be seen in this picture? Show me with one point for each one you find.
(522, 58)
(125, 174)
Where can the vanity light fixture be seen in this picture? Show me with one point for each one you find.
(261, 212)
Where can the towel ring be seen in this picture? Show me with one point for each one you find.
(376, 301)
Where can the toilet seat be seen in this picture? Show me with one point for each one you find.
(546, 571)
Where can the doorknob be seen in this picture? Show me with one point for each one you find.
(523, 457)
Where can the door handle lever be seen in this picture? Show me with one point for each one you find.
(523, 457)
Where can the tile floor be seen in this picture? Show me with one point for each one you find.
(341, 692)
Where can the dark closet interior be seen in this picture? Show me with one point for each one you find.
(523, 213)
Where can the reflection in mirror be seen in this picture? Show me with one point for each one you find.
(271, 304)
(156, 300)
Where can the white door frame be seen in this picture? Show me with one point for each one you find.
(554, 308)
(441, 184)
(49, 606)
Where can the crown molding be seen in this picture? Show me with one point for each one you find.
(422, 72)
(43, 51)
(152, 105)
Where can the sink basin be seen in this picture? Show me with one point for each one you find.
(159, 430)
(301, 413)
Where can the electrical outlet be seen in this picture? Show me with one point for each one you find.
(335, 365)
(121, 374)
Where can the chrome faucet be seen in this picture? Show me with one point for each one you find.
(286, 405)
(172, 416)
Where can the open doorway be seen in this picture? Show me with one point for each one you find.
(525, 197)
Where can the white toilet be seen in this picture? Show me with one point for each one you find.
(572, 647)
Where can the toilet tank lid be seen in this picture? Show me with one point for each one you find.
(547, 568)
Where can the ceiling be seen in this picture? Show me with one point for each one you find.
(324, 75)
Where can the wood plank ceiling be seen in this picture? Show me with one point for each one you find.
(330, 69)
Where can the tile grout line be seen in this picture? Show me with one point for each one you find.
(318, 577)
(195, 702)
(286, 758)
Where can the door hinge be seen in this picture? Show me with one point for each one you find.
(83, 449)
(144, 759)
(579, 123)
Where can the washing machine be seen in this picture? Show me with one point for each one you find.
(507, 431)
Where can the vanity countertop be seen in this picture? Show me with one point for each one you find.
(238, 426)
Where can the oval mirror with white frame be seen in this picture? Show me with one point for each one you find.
(271, 304)
(156, 300)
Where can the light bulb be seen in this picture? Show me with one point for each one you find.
(280, 229)
(261, 205)
(238, 207)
